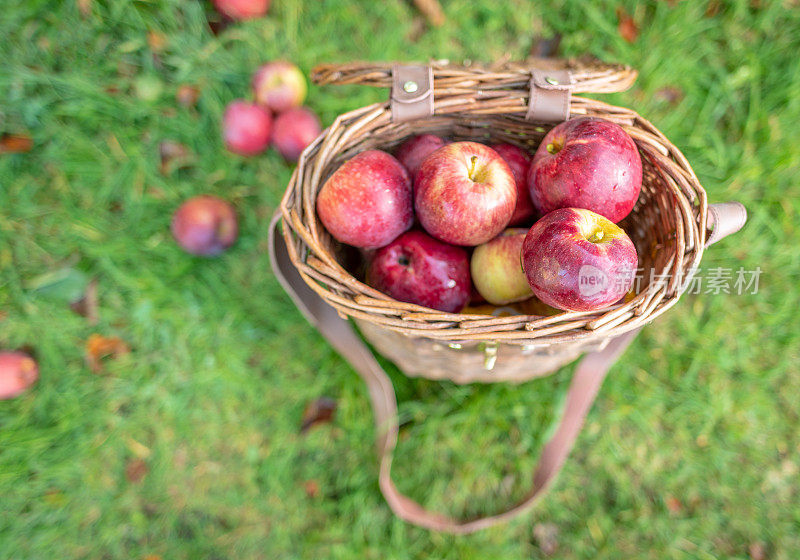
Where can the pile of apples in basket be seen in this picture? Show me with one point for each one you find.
(451, 224)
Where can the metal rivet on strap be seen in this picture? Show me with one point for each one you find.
(410, 87)
(489, 356)
(551, 81)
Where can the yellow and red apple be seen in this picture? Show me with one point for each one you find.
(279, 86)
(496, 268)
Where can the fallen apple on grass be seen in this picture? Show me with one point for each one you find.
(242, 9)
(586, 163)
(205, 225)
(367, 202)
(293, 131)
(416, 268)
(464, 193)
(279, 86)
(577, 260)
(413, 151)
(518, 161)
(246, 128)
(496, 268)
(18, 372)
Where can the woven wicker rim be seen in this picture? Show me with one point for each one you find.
(668, 223)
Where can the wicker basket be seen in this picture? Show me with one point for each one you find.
(490, 104)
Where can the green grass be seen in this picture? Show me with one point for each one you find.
(703, 409)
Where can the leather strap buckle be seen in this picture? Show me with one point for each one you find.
(550, 95)
(412, 92)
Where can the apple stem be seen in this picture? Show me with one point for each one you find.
(472, 161)
(597, 236)
(554, 147)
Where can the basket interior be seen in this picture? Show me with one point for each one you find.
(664, 226)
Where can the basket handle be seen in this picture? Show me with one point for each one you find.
(582, 391)
(725, 218)
(590, 76)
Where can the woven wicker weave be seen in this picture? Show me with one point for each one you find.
(488, 104)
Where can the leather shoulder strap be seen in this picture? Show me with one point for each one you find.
(584, 386)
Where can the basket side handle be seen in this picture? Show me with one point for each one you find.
(724, 219)
(583, 388)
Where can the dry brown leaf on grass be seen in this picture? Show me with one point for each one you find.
(546, 535)
(312, 488)
(157, 41)
(545, 47)
(627, 28)
(416, 30)
(88, 305)
(670, 94)
(757, 551)
(99, 347)
(317, 412)
(85, 7)
(15, 144)
(673, 504)
(432, 11)
(713, 8)
(187, 95)
(135, 470)
(174, 155)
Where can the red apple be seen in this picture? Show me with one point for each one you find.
(518, 161)
(586, 163)
(293, 131)
(279, 86)
(205, 225)
(578, 260)
(242, 9)
(246, 128)
(18, 372)
(464, 193)
(413, 151)
(416, 268)
(496, 268)
(367, 202)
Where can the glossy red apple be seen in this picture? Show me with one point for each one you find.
(279, 86)
(367, 202)
(246, 128)
(578, 260)
(242, 9)
(518, 161)
(416, 268)
(496, 268)
(464, 193)
(413, 151)
(18, 372)
(205, 225)
(293, 130)
(586, 163)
